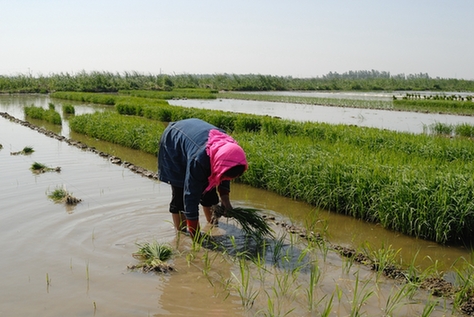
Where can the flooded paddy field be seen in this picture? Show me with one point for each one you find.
(403, 121)
(61, 260)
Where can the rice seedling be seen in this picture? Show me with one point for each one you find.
(360, 296)
(383, 259)
(244, 286)
(61, 195)
(429, 308)
(398, 298)
(465, 283)
(328, 308)
(41, 168)
(153, 257)
(314, 276)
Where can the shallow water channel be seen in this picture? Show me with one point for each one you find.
(60, 260)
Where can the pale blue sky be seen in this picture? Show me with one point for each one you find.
(300, 38)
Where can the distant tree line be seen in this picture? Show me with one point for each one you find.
(112, 82)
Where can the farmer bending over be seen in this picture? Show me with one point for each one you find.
(195, 158)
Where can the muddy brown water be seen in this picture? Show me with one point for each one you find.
(60, 260)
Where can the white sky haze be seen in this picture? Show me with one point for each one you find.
(301, 38)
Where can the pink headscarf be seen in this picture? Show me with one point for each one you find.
(224, 153)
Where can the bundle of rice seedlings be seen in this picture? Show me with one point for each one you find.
(26, 151)
(153, 256)
(62, 195)
(248, 218)
(41, 168)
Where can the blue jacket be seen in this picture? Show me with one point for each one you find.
(183, 161)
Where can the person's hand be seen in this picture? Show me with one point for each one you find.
(225, 202)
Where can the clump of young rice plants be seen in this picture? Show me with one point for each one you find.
(61, 195)
(248, 218)
(69, 109)
(153, 257)
(27, 150)
(50, 115)
(39, 168)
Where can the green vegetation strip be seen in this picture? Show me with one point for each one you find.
(49, 115)
(339, 102)
(132, 132)
(113, 82)
(442, 106)
(182, 93)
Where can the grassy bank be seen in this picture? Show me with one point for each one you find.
(420, 185)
